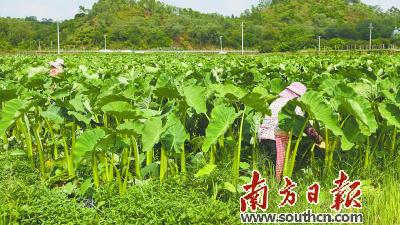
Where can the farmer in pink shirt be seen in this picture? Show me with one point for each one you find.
(57, 67)
(275, 139)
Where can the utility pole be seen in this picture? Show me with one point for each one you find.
(370, 36)
(319, 43)
(242, 38)
(51, 44)
(58, 37)
(39, 47)
(220, 41)
(105, 42)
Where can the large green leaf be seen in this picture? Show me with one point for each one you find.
(222, 117)
(120, 109)
(166, 88)
(361, 109)
(229, 91)
(88, 141)
(77, 103)
(391, 113)
(351, 134)
(12, 110)
(205, 171)
(195, 97)
(53, 113)
(258, 100)
(107, 97)
(151, 133)
(391, 90)
(151, 70)
(175, 134)
(7, 94)
(315, 104)
(131, 128)
(80, 117)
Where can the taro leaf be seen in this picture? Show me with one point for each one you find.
(197, 142)
(168, 91)
(229, 91)
(7, 94)
(352, 134)
(69, 188)
(80, 117)
(103, 99)
(113, 142)
(314, 104)
(222, 117)
(229, 187)
(390, 113)
(365, 89)
(390, 90)
(120, 109)
(257, 100)
(151, 133)
(147, 113)
(131, 128)
(33, 71)
(11, 112)
(291, 122)
(60, 93)
(85, 72)
(152, 170)
(277, 85)
(361, 109)
(205, 171)
(244, 165)
(53, 113)
(175, 134)
(328, 86)
(88, 141)
(77, 103)
(195, 97)
(165, 88)
(151, 70)
(85, 186)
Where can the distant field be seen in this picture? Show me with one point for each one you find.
(170, 139)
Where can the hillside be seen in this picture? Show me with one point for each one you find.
(279, 25)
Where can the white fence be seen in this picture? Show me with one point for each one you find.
(151, 51)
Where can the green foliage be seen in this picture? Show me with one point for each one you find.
(146, 24)
(130, 113)
(222, 118)
(88, 141)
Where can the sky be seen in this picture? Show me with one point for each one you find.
(66, 9)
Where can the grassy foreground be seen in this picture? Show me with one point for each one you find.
(24, 199)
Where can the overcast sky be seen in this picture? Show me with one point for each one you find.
(64, 9)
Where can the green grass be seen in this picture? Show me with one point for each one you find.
(24, 199)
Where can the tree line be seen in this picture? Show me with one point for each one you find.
(279, 25)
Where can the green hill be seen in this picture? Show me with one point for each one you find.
(279, 25)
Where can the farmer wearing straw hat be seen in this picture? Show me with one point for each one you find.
(275, 139)
(57, 67)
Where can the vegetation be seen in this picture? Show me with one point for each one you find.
(116, 131)
(148, 24)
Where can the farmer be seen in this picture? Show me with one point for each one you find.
(274, 139)
(57, 67)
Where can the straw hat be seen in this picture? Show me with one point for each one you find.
(294, 90)
(58, 63)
